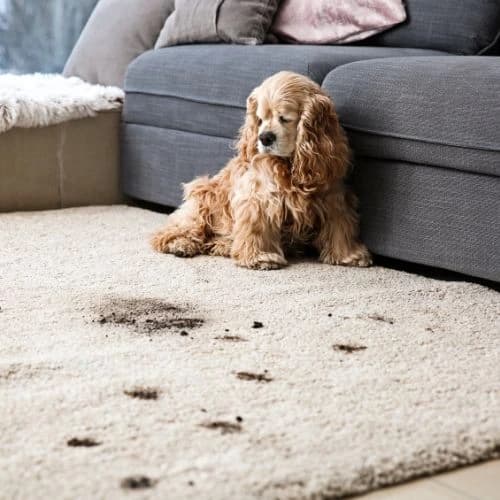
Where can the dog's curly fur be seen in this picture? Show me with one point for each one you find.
(269, 198)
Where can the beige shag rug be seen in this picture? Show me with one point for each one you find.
(194, 379)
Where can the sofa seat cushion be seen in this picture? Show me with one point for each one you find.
(203, 88)
(435, 216)
(441, 111)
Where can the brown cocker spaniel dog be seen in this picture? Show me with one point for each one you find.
(284, 187)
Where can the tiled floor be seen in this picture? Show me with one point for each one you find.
(478, 482)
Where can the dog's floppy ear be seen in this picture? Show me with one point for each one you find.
(247, 143)
(322, 152)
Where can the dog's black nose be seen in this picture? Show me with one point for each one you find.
(267, 138)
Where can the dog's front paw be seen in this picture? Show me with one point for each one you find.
(264, 261)
(180, 246)
(159, 242)
(359, 256)
(220, 247)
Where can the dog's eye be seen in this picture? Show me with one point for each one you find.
(283, 120)
(259, 122)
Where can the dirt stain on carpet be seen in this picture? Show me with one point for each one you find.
(82, 442)
(143, 393)
(257, 377)
(147, 316)
(138, 483)
(348, 348)
(27, 371)
(379, 317)
(231, 338)
(223, 426)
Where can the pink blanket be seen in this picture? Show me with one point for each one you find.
(335, 21)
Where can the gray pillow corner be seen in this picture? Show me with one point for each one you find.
(245, 22)
(125, 29)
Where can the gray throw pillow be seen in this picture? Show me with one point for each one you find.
(117, 32)
(209, 21)
(459, 27)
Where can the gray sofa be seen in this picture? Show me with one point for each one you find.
(421, 106)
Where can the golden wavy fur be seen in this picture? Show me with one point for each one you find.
(284, 187)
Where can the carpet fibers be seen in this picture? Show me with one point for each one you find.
(122, 369)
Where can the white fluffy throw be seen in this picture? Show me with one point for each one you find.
(40, 100)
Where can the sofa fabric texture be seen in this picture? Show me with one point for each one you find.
(345, 21)
(156, 161)
(459, 27)
(212, 101)
(440, 111)
(117, 32)
(429, 215)
(226, 74)
(209, 21)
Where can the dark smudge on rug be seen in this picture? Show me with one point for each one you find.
(145, 393)
(257, 377)
(147, 315)
(138, 483)
(348, 348)
(223, 426)
(379, 317)
(231, 338)
(82, 442)
(19, 371)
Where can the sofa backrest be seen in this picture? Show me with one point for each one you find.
(455, 26)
